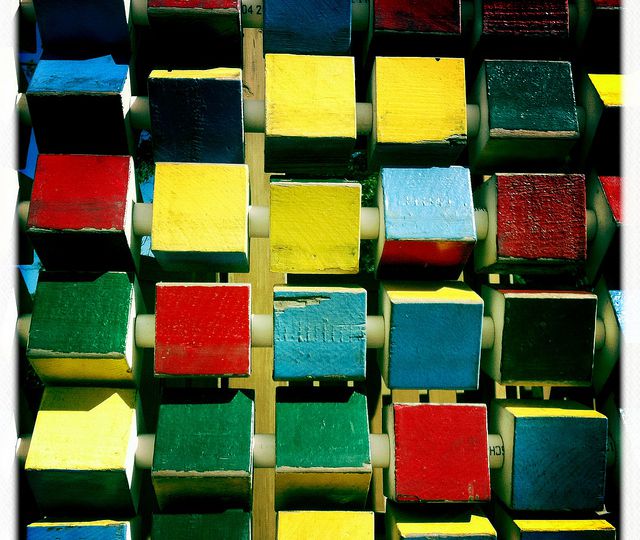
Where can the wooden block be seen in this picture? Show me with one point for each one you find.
(203, 455)
(537, 224)
(310, 112)
(222, 17)
(604, 197)
(322, 452)
(427, 224)
(426, 453)
(533, 527)
(404, 522)
(79, 530)
(419, 111)
(325, 525)
(540, 337)
(600, 21)
(610, 311)
(68, 97)
(319, 333)
(315, 227)
(554, 455)
(203, 329)
(433, 336)
(528, 118)
(84, 441)
(196, 115)
(82, 331)
(200, 217)
(600, 147)
(322, 27)
(80, 216)
(229, 525)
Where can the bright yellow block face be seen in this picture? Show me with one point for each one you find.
(476, 526)
(315, 227)
(552, 525)
(419, 100)
(201, 208)
(325, 525)
(459, 293)
(84, 429)
(310, 96)
(216, 73)
(609, 88)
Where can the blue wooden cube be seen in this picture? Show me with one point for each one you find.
(433, 335)
(197, 116)
(69, 98)
(427, 222)
(319, 333)
(79, 530)
(555, 455)
(317, 27)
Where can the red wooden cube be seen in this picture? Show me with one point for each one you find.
(438, 453)
(203, 329)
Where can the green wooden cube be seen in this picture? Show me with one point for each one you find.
(203, 455)
(322, 452)
(229, 525)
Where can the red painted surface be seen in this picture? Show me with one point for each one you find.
(607, 4)
(202, 330)
(79, 192)
(518, 18)
(612, 187)
(419, 253)
(432, 16)
(441, 453)
(196, 4)
(542, 216)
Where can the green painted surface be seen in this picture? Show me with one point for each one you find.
(81, 318)
(229, 525)
(205, 437)
(319, 434)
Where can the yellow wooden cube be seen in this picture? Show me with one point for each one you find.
(315, 227)
(419, 111)
(82, 450)
(327, 525)
(310, 112)
(200, 217)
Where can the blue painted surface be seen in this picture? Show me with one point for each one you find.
(96, 75)
(83, 532)
(309, 27)
(617, 300)
(553, 455)
(435, 345)
(319, 335)
(434, 203)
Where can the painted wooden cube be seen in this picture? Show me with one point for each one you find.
(533, 527)
(319, 333)
(427, 223)
(203, 455)
(310, 112)
(203, 329)
(200, 217)
(611, 312)
(80, 216)
(528, 116)
(322, 452)
(554, 455)
(325, 525)
(404, 522)
(82, 331)
(297, 28)
(433, 335)
(604, 197)
(315, 227)
(427, 452)
(419, 111)
(84, 442)
(68, 29)
(197, 116)
(66, 97)
(222, 17)
(76, 530)
(228, 525)
(600, 20)
(537, 224)
(540, 337)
